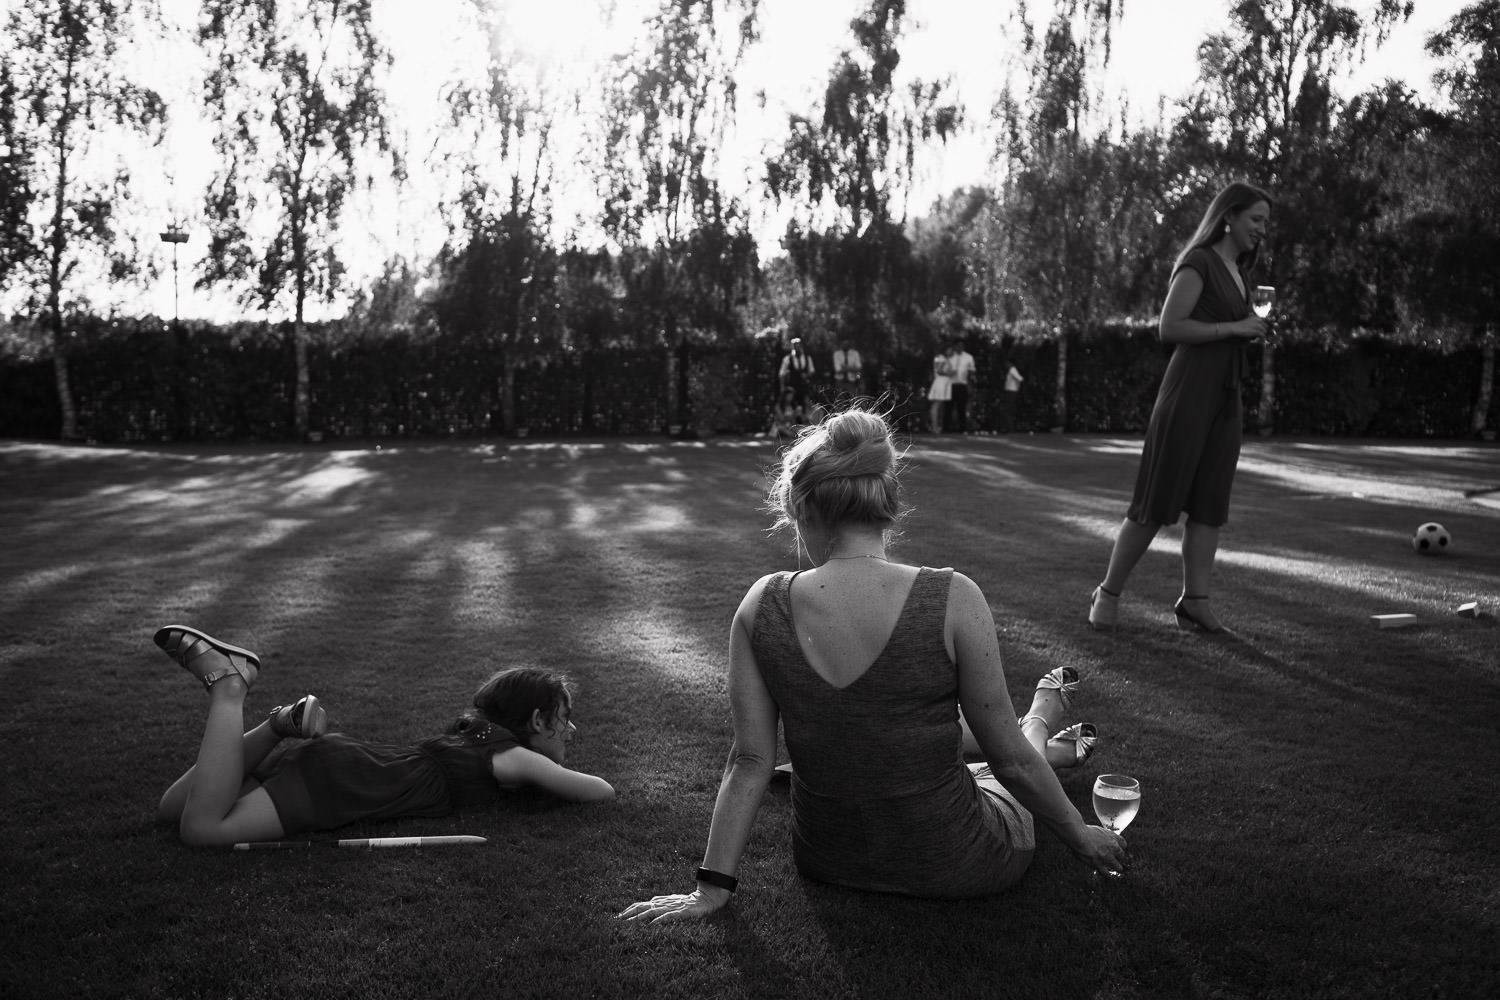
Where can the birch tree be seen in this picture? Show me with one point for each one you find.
(62, 95)
(848, 168)
(295, 94)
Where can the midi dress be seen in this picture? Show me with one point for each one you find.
(334, 780)
(881, 797)
(1193, 439)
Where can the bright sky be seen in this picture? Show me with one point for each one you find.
(1154, 55)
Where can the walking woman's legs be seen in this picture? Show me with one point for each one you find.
(1131, 542)
(1200, 544)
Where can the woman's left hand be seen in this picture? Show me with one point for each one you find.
(694, 905)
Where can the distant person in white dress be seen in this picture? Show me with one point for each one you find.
(941, 389)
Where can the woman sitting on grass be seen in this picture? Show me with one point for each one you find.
(516, 737)
(865, 661)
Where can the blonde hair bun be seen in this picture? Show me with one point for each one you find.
(843, 470)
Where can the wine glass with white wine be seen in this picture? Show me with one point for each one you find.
(1117, 798)
(1262, 299)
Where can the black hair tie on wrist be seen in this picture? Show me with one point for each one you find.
(710, 877)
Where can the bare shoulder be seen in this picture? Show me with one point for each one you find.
(963, 590)
(968, 608)
(744, 616)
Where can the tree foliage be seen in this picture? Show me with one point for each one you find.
(61, 93)
(847, 171)
(687, 256)
(1460, 233)
(294, 90)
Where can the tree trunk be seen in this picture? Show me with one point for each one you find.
(1060, 400)
(301, 404)
(58, 244)
(508, 397)
(1481, 414)
(69, 430)
(1265, 416)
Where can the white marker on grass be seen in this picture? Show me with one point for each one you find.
(368, 842)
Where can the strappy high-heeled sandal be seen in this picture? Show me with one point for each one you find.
(306, 718)
(1063, 680)
(187, 646)
(1187, 620)
(1104, 609)
(1075, 745)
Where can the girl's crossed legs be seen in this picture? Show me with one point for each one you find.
(217, 802)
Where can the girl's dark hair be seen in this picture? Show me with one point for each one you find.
(510, 696)
(1235, 198)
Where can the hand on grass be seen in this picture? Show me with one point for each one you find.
(694, 905)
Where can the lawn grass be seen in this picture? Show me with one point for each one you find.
(1319, 794)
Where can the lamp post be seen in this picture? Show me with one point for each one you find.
(174, 235)
(181, 419)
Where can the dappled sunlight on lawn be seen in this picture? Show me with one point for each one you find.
(1430, 490)
(625, 515)
(1349, 577)
(322, 483)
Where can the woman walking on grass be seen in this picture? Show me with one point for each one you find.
(515, 737)
(865, 661)
(1193, 440)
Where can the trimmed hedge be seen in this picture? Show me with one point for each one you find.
(141, 382)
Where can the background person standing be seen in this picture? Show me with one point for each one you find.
(796, 374)
(1009, 398)
(941, 389)
(963, 370)
(848, 369)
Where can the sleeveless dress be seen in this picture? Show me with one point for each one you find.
(1193, 440)
(335, 779)
(881, 797)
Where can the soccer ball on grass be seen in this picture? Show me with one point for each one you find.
(1431, 538)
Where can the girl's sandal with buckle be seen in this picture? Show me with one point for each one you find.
(187, 646)
(305, 719)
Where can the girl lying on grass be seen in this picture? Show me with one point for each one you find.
(865, 662)
(516, 737)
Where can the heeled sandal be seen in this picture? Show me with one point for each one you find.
(1187, 620)
(1063, 680)
(1104, 609)
(187, 646)
(1076, 744)
(306, 718)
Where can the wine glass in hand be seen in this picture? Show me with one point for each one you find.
(1117, 798)
(1262, 299)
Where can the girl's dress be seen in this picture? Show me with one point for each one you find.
(335, 779)
(881, 797)
(1193, 440)
(941, 388)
